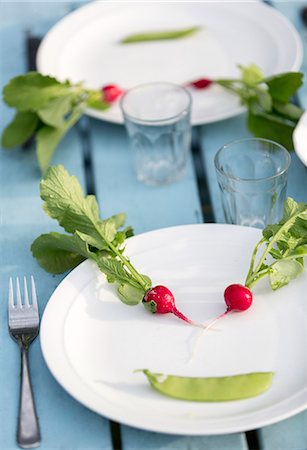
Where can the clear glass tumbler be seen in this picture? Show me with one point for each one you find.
(252, 175)
(157, 119)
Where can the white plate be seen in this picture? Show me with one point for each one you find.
(300, 139)
(84, 46)
(92, 342)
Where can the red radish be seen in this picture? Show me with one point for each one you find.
(237, 298)
(111, 92)
(160, 299)
(202, 83)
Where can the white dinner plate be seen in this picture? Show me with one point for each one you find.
(300, 138)
(93, 343)
(84, 46)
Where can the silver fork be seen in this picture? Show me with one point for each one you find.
(23, 322)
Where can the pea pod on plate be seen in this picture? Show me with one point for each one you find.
(210, 389)
(159, 35)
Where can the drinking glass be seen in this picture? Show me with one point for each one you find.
(157, 119)
(252, 175)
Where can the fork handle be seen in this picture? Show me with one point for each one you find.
(28, 433)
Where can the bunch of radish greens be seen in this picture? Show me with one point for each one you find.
(279, 254)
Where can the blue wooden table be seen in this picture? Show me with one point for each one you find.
(95, 151)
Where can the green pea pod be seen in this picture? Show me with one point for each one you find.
(210, 389)
(159, 35)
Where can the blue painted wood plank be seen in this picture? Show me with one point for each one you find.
(27, 15)
(289, 434)
(147, 208)
(64, 422)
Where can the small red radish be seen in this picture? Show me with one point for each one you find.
(110, 93)
(237, 298)
(160, 300)
(202, 83)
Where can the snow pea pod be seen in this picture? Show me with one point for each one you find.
(159, 35)
(210, 389)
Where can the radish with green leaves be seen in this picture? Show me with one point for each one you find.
(237, 298)
(282, 259)
(96, 239)
(160, 299)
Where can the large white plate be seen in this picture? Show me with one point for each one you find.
(84, 46)
(300, 138)
(92, 342)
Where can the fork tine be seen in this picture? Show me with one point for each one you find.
(34, 297)
(11, 293)
(18, 295)
(26, 296)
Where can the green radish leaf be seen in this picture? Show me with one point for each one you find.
(275, 253)
(283, 86)
(48, 138)
(110, 226)
(286, 242)
(283, 271)
(159, 35)
(78, 214)
(270, 230)
(130, 295)
(288, 110)
(54, 113)
(108, 229)
(299, 229)
(31, 92)
(121, 236)
(293, 226)
(300, 251)
(292, 209)
(57, 253)
(64, 201)
(95, 101)
(20, 129)
(118, 219)
(251, 74)
(271, 126)
(115, 271)
(264, 99)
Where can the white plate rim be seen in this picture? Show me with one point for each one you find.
(300, 138)
(71, 383)
(47, 50)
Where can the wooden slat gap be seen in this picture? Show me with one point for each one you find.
(253, 440)
(83, 128)
(116, 435)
